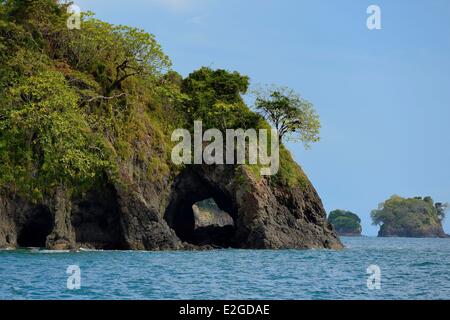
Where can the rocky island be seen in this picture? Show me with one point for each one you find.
(86, 118)
(346, 223)
(410, 217)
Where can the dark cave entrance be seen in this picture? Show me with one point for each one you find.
(37, 227)
(96, 220)
(184, 218)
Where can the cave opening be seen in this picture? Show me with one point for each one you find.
(37, 227)
(96, 220)
(202, 214)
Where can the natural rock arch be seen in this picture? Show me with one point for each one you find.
(191, 187)
(265, 216)
(149, 216)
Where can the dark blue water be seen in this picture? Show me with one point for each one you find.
(410, 269)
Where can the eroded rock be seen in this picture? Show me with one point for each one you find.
(160, 216)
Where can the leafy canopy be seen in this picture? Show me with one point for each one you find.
(45, 141)
(293, 117)
(215, 97)
(81, 105)
(113, 53)
(409, 212)
(61, 121)
(345, 221)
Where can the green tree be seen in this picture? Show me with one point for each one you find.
(74, 99)
(113, 53)
(215, 97)
(44, 139)
(345, 222)
(78, 104)
(293, 117)
(409, 215)
(44, 20)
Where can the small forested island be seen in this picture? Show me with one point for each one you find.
(346, 223)
(87, 117)
(416, 217)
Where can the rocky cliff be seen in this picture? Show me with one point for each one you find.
(432, 231)
(86, 124)
(150, 217)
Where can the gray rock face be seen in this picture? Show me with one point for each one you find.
(207, 213)
(159, 215)
(13, 215)
(432, 231)
(212, 226)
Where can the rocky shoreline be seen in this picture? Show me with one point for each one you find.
(150, 216)
(432, 232)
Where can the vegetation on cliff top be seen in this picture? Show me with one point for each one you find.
(345, 222)
(412, 217)
(78, 105)
(293, 117)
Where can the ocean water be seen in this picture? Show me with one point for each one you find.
(410, 269)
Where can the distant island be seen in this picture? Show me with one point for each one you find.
(346, 223)
(410, 217)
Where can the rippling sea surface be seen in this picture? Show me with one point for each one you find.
(410, 269)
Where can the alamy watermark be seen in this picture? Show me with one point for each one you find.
(74, 279)
(74, 21)
(374, 279)
(241, 147)
(374, 20)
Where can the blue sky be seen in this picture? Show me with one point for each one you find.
(383, 95)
